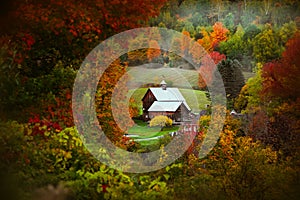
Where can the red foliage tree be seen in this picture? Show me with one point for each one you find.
(53, 34)
(208, 67)
(81, 17)
(281, 78)
(280, 95)
(68, 30)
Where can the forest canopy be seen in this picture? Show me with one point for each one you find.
(253, 44)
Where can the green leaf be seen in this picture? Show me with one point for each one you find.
(167, 176)
(167, 168)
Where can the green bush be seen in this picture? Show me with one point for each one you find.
(25, 95)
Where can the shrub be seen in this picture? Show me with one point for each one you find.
(161, 121)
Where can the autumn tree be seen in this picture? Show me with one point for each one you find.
(287, 31)
(211, 40)
(184, 43)
(208, 67)
(273, 101)
(161, 121)
(144, 55)
(68, 30)
(234, 47)
(113, 114)
(266, 46)
(53, 30)
(250, 93)
(205, 41)
(134, 108)
(54, 33)
(154, 51)
(281, 78)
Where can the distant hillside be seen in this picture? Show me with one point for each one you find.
(181, 78)
(175, 77)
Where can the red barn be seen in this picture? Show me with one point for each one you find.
(165, 101)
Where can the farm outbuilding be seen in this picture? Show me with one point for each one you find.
(165, 101)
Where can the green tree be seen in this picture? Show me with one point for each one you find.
(228, 21)
(234, 47)
(250, 32)
(233, 79)
(249, 98)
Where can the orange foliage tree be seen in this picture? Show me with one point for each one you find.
(185, 42)
(210, 41)
(153, 52)
(106, 89)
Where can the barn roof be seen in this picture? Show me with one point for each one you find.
(169, 94)
(166, 106)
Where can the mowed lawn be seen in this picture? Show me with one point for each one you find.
(196, 99)
(142, 130)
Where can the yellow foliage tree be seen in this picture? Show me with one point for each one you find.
(161, 121)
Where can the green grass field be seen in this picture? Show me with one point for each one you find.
(142, 130)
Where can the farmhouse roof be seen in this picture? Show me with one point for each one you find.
(170, 94)
(164, 106)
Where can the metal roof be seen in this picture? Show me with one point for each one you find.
(187, 106)
(169, 94)
(164, 106)
(158, 106)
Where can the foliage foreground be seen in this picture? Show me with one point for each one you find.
(55, 163)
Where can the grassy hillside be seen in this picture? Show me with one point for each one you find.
(173, 76)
